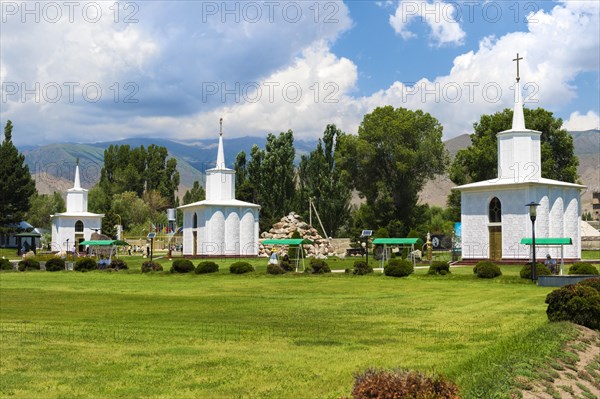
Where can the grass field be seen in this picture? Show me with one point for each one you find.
(127, 334)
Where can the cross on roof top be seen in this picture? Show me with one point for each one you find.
(518, 59)
(221, 126)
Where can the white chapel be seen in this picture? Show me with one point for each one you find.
(494, 214)
(220, 225)
(76, 224)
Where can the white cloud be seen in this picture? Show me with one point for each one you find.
(438, 15)
(579, 122)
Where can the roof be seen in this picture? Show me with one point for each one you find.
(103, 243)
(548, 241)
(78, 214)
(287, 241)
(232, 202)
(397, 241)
(511, 183)
(29, 234)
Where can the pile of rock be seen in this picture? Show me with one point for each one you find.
(287, 226)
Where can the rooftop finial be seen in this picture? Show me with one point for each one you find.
(518, 59)
(221, 127)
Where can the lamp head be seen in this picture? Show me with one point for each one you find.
(532, 209)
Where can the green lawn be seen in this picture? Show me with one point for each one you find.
(126, 334)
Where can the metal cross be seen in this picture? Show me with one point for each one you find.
(518, 59)
(221, 122)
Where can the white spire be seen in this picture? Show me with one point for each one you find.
(77, 183)
(220, 154)
(518, 122)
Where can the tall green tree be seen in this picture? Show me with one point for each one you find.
(16, 187)
(243, 188)
(42, 206)
(320, 180)
(197, 193)
(396, 151)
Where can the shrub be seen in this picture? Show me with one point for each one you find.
(318, 266)
(55, 265)
(287, 266)
(593, 282)
(439, 267)
(85, 264)
(398, 268)
(241, 268)
(361, 267)
(182, 266)
(393, 384)
(151, 266)
(118, 264)
(540, 270)
(5, 264)
(486, 269)
(583, 268)
(29, 264)
(275, 269)
(575, 302)
(207, 267)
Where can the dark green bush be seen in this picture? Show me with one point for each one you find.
(361, 267)
(151, 266)
(485, 269)
(540, 270)
(207, 267)
(318, 266)
(5, 264)
(182, 266)
(28, 264)
(398, 268)
(85, 264)
(55, 265)
(118, 264)
(583, 268)
(287, 266)
(593, 282)
(241, 268)
(275, 269)
(439, 267)
(383, 384)
(575, 302)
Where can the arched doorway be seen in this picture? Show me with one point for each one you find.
(195, 233)
(495, 228)
(79, 237)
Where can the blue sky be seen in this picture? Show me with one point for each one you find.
(105, 71)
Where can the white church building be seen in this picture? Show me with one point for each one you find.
(76, 224)
(220, 225)
(494, 215)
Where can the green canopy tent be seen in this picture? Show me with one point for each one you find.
(113, 244)
(551, 242)
(291, 242)
(403, 242)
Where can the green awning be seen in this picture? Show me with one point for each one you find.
(548, 241)
(398, 241)
(103, 243)
(287, 241)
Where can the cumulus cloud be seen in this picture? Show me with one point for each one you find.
(438, 15)
(579, 122)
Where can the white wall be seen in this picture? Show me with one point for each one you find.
(63, 228)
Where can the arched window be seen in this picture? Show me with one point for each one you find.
(495, 211)
(79, 226)
(195, 221)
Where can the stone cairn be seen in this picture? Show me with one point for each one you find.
(286, 227)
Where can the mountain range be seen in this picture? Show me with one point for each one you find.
(52, 165)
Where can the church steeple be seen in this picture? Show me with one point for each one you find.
(77, 182)
(220, 153)
(518, 122)
(220, 181)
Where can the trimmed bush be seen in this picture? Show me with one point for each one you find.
(207, 267)
(439, 267)
(275, 269)
(287, 266)
(486, 269)
(383, 384)
(540, 270)
(151, 266)
(398, 268)
(583, 268)
(575, 302)
(85, 264)
(5, 264)
(182, 266)
(361, 267)
(318, 266)
(241, 268)
(593, 282)
(29, 264)
(118, 264)
(55, 265)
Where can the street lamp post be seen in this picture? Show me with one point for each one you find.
(532, 215)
